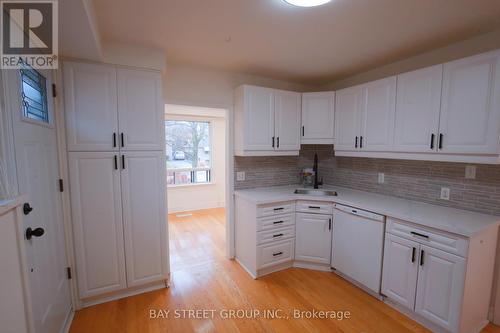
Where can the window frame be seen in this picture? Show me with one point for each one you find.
(47, 74)
(190, 118)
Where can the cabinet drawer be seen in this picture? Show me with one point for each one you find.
(276, 253)
(275, 209)
(314, 207)
(274, 222)
(436, 239)
(275, 235)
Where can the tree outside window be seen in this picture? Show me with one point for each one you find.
(188, 152)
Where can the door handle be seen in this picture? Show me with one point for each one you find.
(303, 130)
(432, 140)
(440, 140)
(114, 140)
(116, 162)
(421, 257)
(38, 232)
(27, 208)
(360, 142)
(122, 139)
(123, 162)
(356, 143)
(278, 142)
(273, 141)
(330, 224)
(413, 254)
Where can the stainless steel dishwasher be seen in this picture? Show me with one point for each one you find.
(358, 242)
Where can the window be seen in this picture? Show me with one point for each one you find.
(189, 159)
(34, 94)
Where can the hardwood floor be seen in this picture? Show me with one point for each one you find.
(203, 279)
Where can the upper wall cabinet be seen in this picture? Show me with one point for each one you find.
(318, 110)
(447, 112)
(417, 110)
(365, 116)
(470, 112)
(90, 106)
(109, 108)
(140, 109)
(267, 122)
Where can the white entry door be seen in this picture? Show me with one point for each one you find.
(38, 173)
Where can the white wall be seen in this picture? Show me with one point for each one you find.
(202, 196)
(479, 44)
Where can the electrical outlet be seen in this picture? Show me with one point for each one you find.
(470, 172)
(381, 178)
(240, 176)
(445, 193)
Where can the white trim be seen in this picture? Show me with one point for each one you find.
(68, 321)
(313, 266)
(64, 175)
(189, 185)
(439, 157)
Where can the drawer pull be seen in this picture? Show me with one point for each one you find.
(277, 254)
(314, 207)
(278, 222)
(420, 235)
(278, 235)
(281, 208)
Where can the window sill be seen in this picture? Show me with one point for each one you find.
(190, 185)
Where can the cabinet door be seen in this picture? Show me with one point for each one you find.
(287, 120)
(140, 110)
(97, 221)
(348, 104)
(259, 118)
(377, 118)
(399, 275)
(440, 286)
(90, 107)
(417, 110)
(318, 117)
(313, 238)
(144, 216)
(470, 113)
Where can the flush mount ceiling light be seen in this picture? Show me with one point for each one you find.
(307, 3)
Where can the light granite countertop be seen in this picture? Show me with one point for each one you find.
(457, 221)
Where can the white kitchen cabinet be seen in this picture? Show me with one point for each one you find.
(318, 111)
(348, 111)
(267, 122)
(140, 110)
(440, 286)
(144, 216)
(470, 112)
(97, 222)
(287, 120)
(417, 110)
(313, 238)
(400, 270)
(377, 116)
(110, 108)
(90, 106)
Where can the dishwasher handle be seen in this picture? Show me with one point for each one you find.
(360, 212)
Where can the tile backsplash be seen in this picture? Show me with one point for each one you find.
(415, 180)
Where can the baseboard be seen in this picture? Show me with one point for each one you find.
(124, 293)
(252, 274)
(210, 205)
(68, 321)
(268, 270)
(308, 265)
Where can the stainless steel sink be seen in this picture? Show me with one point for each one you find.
(321, 193)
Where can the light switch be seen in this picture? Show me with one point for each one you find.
(470, 172)
(445, 193)
(240, 176)
(381, 178)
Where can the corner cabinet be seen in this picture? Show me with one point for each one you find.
(267, 122)
(318, 113)
(448, 112)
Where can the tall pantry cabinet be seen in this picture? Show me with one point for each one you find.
(115, 139)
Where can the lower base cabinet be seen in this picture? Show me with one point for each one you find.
(436, 287)
(119, 218)
(313, 239)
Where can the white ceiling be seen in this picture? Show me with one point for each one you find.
(308, 45)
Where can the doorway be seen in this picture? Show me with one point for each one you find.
(196, 154)
(31, 108)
